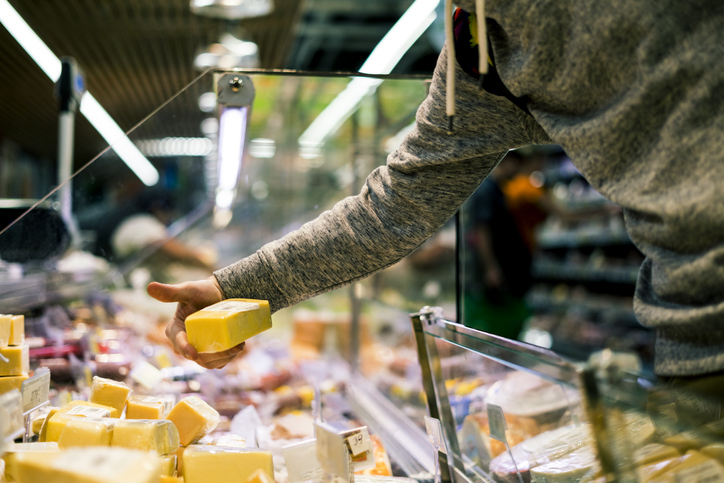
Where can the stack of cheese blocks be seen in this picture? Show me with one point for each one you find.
(91, 442)
(13, 348)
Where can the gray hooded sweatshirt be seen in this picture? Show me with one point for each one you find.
(633, 90)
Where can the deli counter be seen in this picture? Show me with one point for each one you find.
(429, 398)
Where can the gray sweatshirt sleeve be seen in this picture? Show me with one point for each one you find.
(401, 205)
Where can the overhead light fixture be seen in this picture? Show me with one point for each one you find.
(176, 147)
(262, 148)
(232, 9)
(89, 106)
(236, 95)
(382, 60)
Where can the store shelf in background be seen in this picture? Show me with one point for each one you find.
(598, 236)
(608, 309)
(555, 270)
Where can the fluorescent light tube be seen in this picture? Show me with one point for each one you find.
(89, 107)
(232, 133)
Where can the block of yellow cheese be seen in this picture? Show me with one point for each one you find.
(15, 448)
(217, 464)
(145, 407)
(653, 452)
(6, 323)
(19, 362)
(194, 419)
(109, 393)
(8, 383)
(72, 410)
(159, 435)
(17, 330)
(226, 324)
(87, 432)
(168, 464)
(89, 465)
(693, 467)
(715, 451)
(44, 428)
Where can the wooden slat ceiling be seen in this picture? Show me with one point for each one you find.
(135, 55)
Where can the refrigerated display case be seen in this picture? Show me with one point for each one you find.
(86, 309)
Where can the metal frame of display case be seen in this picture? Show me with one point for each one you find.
(429, 325)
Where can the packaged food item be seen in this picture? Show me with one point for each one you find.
(194, 419)
(17, 330)
(145, 407)
(6, 322)
(168, 464)
(15, 448)
(159, 435)
(44, 428)
(73, 410)
(8, 383)
(89, 465)
(18, 360)
(572, 468)
(654, 452)
(109, 393)
(227, 324)
(87, 432)
(217, 464)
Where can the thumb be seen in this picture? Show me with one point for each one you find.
(162, 292)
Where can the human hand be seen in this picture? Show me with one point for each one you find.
(192, 297)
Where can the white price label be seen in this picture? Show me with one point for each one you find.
(36, 389)
(360, 442)
(496, 421)
(434, 434)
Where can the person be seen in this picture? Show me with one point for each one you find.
(498, 265)
(631, 90)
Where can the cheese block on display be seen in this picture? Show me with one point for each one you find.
(17, 330)
(168, 465)
(217, 464)
(145, 407)
(87, 432)
(159, 435)
(19, 362)
(715, 451)
(194, 419)
(89, 412)
(6, 322)
(109, 393)
(13, 449)
(227, 324)
(89, 465)
(653, 452)
(693, 467)
(8, 383)
(57, 422)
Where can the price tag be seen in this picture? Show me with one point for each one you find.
(11, 410)
(302, 462)
(434, 434)
(36, 389)
(359, 443)
(496, 421)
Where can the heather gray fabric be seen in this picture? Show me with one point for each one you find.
(634, 92)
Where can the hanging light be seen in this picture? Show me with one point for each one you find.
(232, 9)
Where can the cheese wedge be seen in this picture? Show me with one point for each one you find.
(145, 407)
(194, 419)
(19, 361)
(227, 324)
(89, 465)
(168, 465)
(109, 393)
(17, 330)
(8, 383)
(6, 323)
(87, 432)
(15, 448)
(159, 435)
(216, 464)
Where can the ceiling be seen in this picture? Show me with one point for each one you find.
(137, 53)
